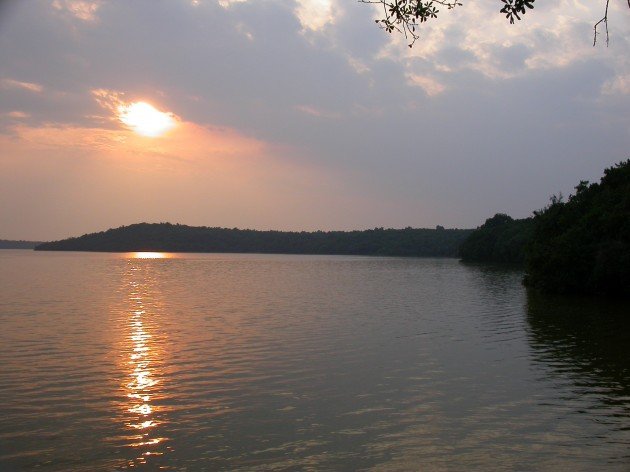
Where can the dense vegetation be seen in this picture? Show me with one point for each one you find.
(583, 245)
(180, 238)
(500, 239)
(8, 244)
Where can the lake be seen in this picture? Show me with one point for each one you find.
(269, 362)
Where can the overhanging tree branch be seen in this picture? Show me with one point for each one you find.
(406, 16)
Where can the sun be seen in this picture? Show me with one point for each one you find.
(145, 119)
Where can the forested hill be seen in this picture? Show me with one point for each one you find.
(8, 244)
(500, 239)
(581, 246)
(166, 237)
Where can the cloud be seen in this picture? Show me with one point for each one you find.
(319, 113)
(548, 37)
(332, 125)
(225, 3)
(83, 10)
(188, 142)
(17, 84)
(138, 115)
(315, 15)
(16, 114)
(618, 85)
(430, 85)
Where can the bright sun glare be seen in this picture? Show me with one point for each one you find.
(145, 119)
(150, 255)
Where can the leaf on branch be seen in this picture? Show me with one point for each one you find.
(512, 8)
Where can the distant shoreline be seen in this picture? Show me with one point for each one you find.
(13, 244)
(261, 254)
(167, 237)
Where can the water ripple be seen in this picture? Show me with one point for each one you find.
(257, 362)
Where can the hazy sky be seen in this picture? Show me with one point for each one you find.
(299, 115)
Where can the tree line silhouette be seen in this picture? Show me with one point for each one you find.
(578, 246)
(167, 237)
(12, 244)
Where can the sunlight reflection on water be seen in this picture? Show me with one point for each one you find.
(262, 362)
(149, 255)
(145, 355)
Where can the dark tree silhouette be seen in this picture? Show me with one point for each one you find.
(579, 246)
(10, 244)
(417, 242)
(583, 245)
(500, 239)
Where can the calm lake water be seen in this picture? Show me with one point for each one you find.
(268, 362)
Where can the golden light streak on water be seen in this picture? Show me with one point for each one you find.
(149, 255)
(144, 352)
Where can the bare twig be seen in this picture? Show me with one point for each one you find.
(604, 20)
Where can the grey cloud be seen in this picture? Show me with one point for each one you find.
(512, 59)
(483, 145)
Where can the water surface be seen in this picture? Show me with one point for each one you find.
(271, 362)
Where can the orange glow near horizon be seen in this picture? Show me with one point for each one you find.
(145, 119)
(150, 255)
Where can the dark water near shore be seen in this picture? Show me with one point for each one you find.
(270, 362)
